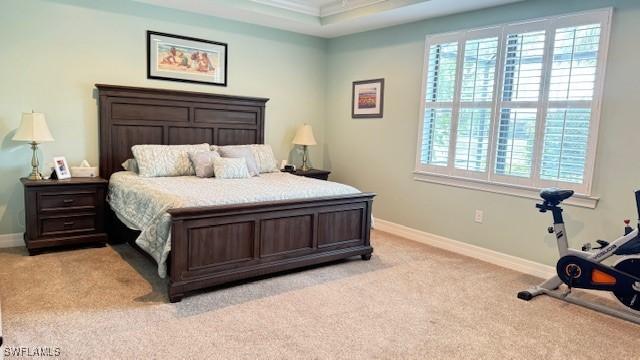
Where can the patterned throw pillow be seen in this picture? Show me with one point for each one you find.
(264, 157)
(263, 154)
(165, 160)
(130, 165)
(241, 152)
(230, 168)
(202, 162)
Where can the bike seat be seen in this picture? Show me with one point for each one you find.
(555, 196)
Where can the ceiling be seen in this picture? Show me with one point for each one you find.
(319, 8)
(327, 18)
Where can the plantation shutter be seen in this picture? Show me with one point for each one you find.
(518, 107)
(439, 95)
(476, 102)
(572, 84)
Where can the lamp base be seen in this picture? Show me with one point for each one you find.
(36, 176)
(35, 165)
(305, 159)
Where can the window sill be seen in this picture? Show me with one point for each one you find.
(580, 200)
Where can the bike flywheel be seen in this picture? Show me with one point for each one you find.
(631, 298)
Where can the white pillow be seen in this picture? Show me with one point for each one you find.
(264, 157)
(230, 168)
(243, 152)
(263, 153)
(165, 160)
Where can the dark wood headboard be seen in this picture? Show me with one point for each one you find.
(131, 116)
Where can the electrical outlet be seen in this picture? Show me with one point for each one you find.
(479, 216)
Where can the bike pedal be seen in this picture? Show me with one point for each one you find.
(525, 295)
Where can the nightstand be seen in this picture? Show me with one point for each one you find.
(64, 212)
(313, 173)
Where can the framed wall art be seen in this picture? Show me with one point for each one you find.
(181, 58)
(367, 98)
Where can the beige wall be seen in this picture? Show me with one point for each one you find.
(379, 154)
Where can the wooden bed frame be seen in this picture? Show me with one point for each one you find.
(219, 244)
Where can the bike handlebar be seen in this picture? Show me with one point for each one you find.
(638, 203)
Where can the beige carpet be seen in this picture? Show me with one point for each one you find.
(409, 301)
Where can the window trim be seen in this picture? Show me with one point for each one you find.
(579, 200)
(488, 180)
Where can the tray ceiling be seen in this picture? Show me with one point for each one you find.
(327, 18)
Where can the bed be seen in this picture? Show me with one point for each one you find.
(220, 240)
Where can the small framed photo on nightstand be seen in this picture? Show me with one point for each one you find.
(61, 167)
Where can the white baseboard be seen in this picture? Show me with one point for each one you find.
(11, 240)
(459, 247)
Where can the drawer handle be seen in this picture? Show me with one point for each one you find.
(68, 201)
(68, 223)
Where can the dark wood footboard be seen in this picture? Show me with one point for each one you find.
(219, 244)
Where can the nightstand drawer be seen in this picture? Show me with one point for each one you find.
(71, 200)
(68, 224)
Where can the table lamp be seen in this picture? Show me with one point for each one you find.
(33, 129)
(305, 137)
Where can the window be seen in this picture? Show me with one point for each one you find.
(516, 104)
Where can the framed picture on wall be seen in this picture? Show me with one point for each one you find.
(367, 98)
(181, 58)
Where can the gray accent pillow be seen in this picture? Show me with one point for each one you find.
(130, 165)
(202, 162)
(231, 168)
(241, 152)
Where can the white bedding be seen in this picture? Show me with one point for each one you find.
(142, 203)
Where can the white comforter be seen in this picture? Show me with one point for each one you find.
(142, 203)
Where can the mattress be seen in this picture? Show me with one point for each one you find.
(142, 203)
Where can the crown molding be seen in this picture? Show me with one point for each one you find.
(333, 8)
(328, 19)
(339, 7)
(291, 6)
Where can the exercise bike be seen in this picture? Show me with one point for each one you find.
(584, 268)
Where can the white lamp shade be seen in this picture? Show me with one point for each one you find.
(304, 136)
(33, 128)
